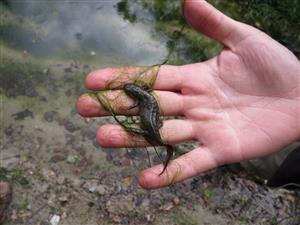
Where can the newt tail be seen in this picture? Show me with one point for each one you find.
(170, 152)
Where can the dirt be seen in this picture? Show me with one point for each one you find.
(61, 176)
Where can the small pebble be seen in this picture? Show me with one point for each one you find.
(55, 220)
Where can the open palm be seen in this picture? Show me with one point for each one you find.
(242, 104)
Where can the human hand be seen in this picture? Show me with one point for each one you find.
(242, 104)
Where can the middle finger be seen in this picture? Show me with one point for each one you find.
(170, 104)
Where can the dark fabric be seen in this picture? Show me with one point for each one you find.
(288, 174)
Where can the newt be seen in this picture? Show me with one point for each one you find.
(149, 116)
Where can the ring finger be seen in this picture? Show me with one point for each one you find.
(172, 132)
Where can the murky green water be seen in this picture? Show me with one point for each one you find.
(89, 31)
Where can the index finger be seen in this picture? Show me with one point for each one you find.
(159, 77)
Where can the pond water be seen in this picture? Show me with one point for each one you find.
(90, 31)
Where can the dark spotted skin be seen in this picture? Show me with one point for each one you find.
(150, 121)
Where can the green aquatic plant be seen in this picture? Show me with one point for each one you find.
(5, 2)
(123, 8)
(21, 77)
(143, 76)
(279, 19)
(14, 175)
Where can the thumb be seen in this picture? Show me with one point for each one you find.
(206, 19)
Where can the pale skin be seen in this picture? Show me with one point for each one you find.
(242, 104)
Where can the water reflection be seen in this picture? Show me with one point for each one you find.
(85, 30)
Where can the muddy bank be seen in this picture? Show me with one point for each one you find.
(59, 173)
